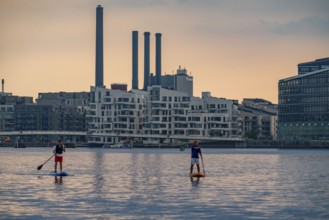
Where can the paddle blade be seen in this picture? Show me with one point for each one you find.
(40, 167)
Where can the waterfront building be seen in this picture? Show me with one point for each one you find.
(172, 112)
(7, 109)
(220, 117)
(7, 117)
(114, 111)
(304, 103)
(166, 112)
(64, 98)
(212, 116)
(35, 117)
(158, 111)
(259, 119)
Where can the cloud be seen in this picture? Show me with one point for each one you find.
(313, 25)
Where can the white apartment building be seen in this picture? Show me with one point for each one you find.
(172, 112)
(114, 111)
(159, 111)
(211, 116)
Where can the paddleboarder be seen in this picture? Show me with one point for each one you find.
(195, 151)
(58, 151)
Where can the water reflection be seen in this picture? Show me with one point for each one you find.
(98, 176)
(58, 180)
(195, 181)
(154, 184)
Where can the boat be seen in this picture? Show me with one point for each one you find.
(117, 145)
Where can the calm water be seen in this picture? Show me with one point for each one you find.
(154, 184)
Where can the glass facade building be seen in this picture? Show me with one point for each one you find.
(303, 111)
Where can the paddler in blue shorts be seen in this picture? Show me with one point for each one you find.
(195, 151)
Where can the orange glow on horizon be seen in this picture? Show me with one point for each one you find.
(231, 50)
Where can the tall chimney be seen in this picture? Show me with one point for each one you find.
(3, 86)
(146, 60)
(99, 46)
(135, 60)
(158, 58)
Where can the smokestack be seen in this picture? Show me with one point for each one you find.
(158, 58)
(135, 60)
(3, 86)
(146, 60)
(99, 46)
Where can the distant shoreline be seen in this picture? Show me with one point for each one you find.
(247, 144)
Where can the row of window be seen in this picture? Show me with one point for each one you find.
(304, 90)
(304, 118)
(303, 109)
(303, 99)
(313, 79)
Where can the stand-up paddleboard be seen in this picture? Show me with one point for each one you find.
(59, 174)
(197, 175)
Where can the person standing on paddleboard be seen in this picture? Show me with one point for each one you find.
(58, 150)
(195, 151)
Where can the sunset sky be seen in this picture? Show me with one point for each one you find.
(233, 48)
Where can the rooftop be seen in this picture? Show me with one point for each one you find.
(318, 62)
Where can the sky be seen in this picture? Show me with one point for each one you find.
(234, 49)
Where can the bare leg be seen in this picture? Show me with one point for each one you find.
(55, 167)
(198, 166)
(191, 169)
(60, 166)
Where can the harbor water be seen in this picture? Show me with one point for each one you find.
(154, 184)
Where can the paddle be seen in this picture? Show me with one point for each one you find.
(204, 172)
(40, 167)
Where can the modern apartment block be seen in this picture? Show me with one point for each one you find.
(158, 111)
(115, 111)
(304, 103)
(259, 119)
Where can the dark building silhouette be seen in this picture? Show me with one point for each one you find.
(146, 60)
(32, 117)
(64, 98)
(3, 86)
(117, 86)
(158, 58)
(135, 60)
(99, 46)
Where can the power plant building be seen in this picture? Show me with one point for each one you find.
(181, 81)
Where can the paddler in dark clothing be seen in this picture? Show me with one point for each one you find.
(195, 151)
